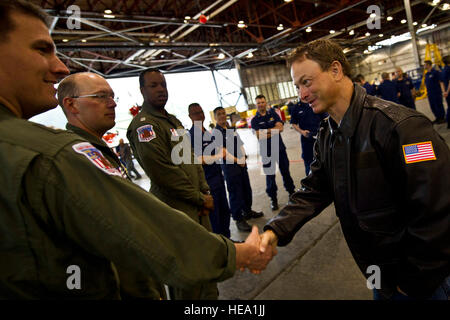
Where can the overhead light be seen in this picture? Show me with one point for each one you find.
(373, 15)
(162, 36)
(366, 51)
(380, 35)
(389, 18)
(250, 55)
(107, 11)
(221, 56)
(367, 34)
(109, 16)
(352, 32)
(427, 28)
(280, 27)
(308, 29)
(162, 56)
(414, 23)
(83, 40)
(65, 40)
(435, 2)
(241, 24)
(287, 0)
(445, 6)
(403, 21)
(424, 25)
(332, 31)
(187, 18)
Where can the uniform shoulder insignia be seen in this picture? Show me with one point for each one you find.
(417, 152)
(96, 157)
(146, 133)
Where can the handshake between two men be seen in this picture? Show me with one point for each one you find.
(257, 251)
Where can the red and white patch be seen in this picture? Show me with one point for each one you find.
(96, 157)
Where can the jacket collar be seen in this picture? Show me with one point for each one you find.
(86, 135)
(154, 112)
(351, 117)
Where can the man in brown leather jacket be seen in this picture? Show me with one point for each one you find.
(386, 170)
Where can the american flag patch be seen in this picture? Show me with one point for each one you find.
(418, 152)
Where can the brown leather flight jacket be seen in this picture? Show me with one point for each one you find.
(393, 214)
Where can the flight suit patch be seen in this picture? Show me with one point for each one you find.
(146, 133)
(96, 157)
(418, 152)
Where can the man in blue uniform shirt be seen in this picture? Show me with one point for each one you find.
(235, 171)
(306, 122)
(200, 140)
(434, 91)
(266, 124)
(406, 89)
(387, 90)
(370, 89)
(445, 75)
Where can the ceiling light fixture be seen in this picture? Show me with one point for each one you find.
(107, 11)
(389, 18)
(250, 55)
(367, 34)
(380, 35)
(109, 16)
(352, 32)
(241, 24)
(403, 21)
(308, 29)
(332, 31)
(83, 40)
(65, 40)
(445, 6)
(280, 27)
(221, 56)
(414, 23)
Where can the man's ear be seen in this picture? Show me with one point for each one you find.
(336, 70)
(69, 105)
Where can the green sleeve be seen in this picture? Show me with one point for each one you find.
(155, 158)
(111, 217)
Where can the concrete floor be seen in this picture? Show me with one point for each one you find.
(317, 264)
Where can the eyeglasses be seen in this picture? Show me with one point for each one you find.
(104, 97)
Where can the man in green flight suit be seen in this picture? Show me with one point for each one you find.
(58, 231)
(154, 135)
(89, 105)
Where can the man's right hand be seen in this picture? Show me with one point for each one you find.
(209, 202)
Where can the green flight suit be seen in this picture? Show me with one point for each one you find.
(182, 186)
(132, 286)
(56, 214)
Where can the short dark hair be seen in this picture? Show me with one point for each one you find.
(260, 96)
(359, 78)
(428, 62)
(385, 76)
(142, 74)
(25, 7)
(324, 52)
(217, 109)
(192, 105)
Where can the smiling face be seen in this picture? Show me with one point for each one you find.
(261, 105)
(154, 90)
(221, 117)
(29, 68)
(316, 87)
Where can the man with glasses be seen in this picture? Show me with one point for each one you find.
(88, 102)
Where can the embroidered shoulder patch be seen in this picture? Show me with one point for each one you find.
(96, 157)
(417, 152)
(146, 133)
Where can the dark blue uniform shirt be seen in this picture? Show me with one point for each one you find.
(267, 121)
(304, 116)
(432, 79)
(212, 171)
(370, 89)
(404, 87)
(445, 75)
(387, 90)
(229, 136)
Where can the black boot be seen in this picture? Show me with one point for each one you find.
(252, 214)
(242, 225)
(274, 203)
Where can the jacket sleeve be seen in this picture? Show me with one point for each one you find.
(312, 199)
(425, 206)
(155, 158)
(110, 217)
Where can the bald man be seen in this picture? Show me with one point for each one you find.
(89, 104)
(405, 88)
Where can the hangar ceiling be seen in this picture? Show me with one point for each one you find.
(118, 38)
